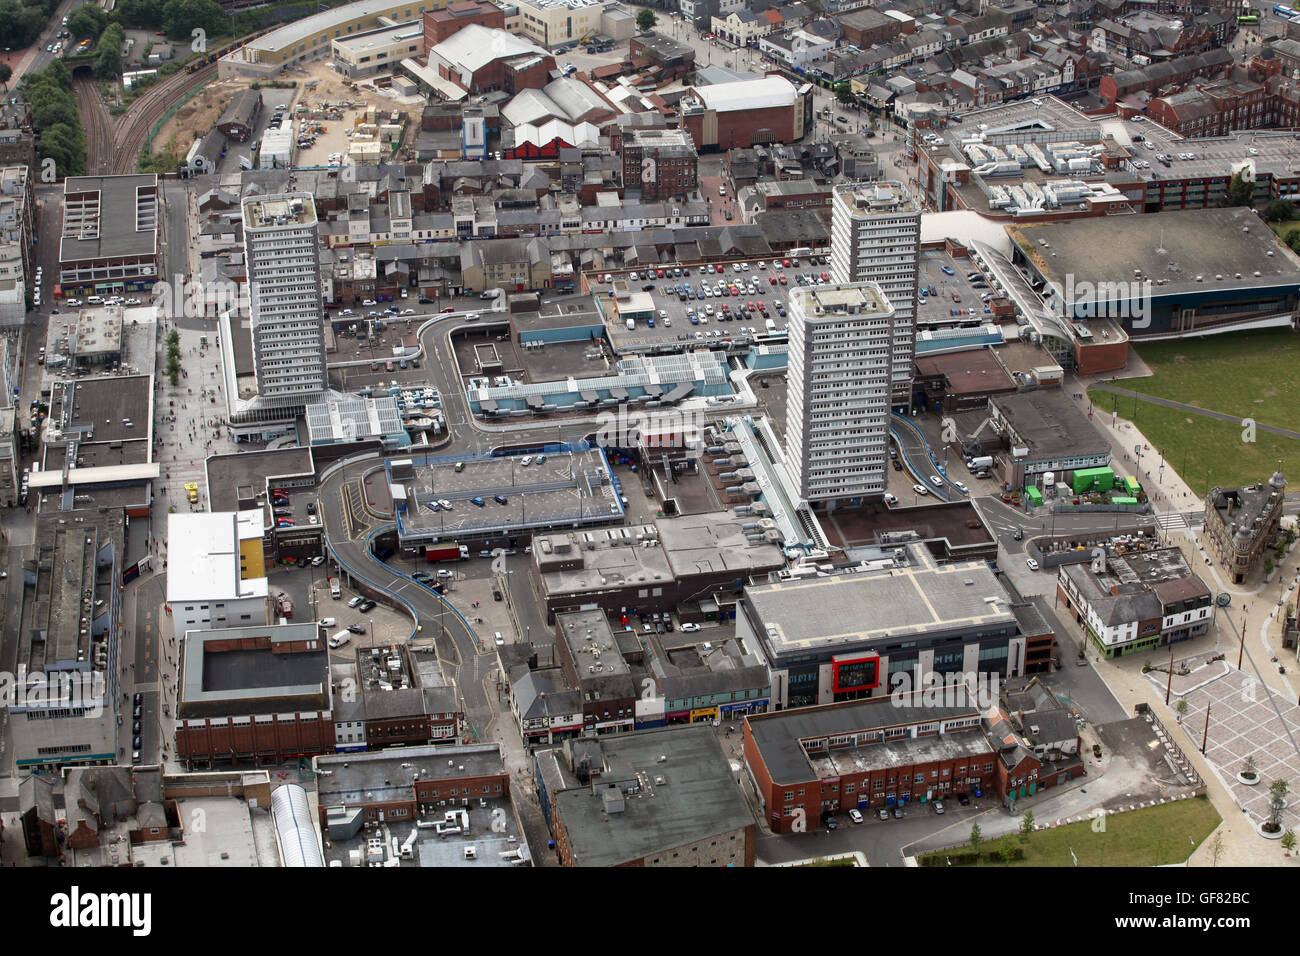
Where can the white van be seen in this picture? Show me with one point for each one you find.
(95, 300)
(631, 325)
(336, 591)
(339, 639)
(327, 622)
(501, 641)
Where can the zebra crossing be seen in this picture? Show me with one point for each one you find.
(1179, 520)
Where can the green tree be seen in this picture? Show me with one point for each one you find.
(182, 17)
(844, 93)
(1007, 848)
(87, 21)
(139, 14)
(1279, 210)
(108, 55)
(646, 20)
(1027, 826)
(6, 74)
(1241, 192)
(976, 836)
(1288, 841)
(21, 24)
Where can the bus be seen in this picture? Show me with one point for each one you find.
(1249, 18)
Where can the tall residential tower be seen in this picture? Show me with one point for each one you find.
(285, 307)
(837, 416)
(876, 237)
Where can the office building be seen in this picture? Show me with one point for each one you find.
(840, 375)
(875, 237)
(287, 316)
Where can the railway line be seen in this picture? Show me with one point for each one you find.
(95, 127)
(113, 144)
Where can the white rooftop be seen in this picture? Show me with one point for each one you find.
(769, 92)
(203, 556)
(475, 46)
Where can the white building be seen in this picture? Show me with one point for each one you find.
(215, 571)
(287, 318)
(837, 420)
(875, 237)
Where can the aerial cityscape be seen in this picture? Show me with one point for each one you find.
(570, 433)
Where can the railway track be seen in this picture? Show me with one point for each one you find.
(113, 144)
(95, 127)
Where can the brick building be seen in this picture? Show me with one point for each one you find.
(253, 695)
(1214, 108)
(660, 163)
(383, 785)
(874, 754)
(479, 59)
(441, 24)
(747, 112)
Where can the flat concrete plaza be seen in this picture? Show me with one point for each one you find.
(1244, 722)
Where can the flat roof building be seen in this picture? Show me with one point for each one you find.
(840, 387)
(1043, 431)
(109, 241)
(847, 635)
(656, 798)
(658, 567)
(67, 637)
(258, 694)
(216, 575)
(875, 237)
(286, 315)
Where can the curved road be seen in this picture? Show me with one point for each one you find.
(349, 546)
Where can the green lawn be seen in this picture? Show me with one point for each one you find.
(1284, 229)
(1244, 374)
(1149, 837)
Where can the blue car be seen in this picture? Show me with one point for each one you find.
(947, 270)
(695, 320)
(476, 501)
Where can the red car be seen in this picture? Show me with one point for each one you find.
(750, 306)
(783, 281)
(771, 280)
(659, 273)
(450, 308)
(785, 263)
(735, 291)
(826, 277)
(374, 366)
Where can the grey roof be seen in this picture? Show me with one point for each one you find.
(778, 735)
(242, 108)
(684, 799)
(124, 224)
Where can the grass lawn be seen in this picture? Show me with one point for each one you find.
(1203, 451)
(1244, 374)
(1284, 229)
(1149, 837)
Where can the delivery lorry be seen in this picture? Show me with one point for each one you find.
(446, 552)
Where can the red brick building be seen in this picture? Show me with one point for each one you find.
(873, 754)
(480, 59)
(441, 24)
(660, 163)
(1214, 108)
(747, 112)
(253, 695)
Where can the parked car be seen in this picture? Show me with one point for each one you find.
(1031, 564)
(855, 815)
(690, 628)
